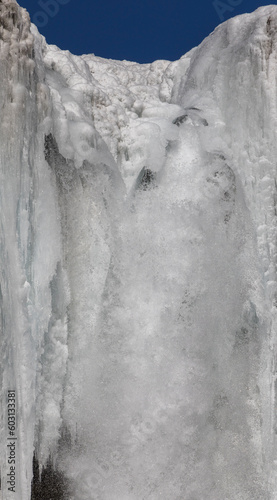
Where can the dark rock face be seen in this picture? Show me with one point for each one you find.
(146, 179)
(63, 168)
(52, 484)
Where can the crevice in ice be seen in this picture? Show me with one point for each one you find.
(191, 114)
(180, 119)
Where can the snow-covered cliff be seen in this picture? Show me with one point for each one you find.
(138, 284)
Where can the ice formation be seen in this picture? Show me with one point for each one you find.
(138, 260)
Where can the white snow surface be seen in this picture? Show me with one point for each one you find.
(138, 254)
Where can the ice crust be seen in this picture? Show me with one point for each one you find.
(138, 265)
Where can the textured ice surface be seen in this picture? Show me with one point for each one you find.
(138, 260)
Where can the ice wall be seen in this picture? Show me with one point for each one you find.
(24, 225)
(138, 266)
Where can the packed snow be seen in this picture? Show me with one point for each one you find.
(138, 258)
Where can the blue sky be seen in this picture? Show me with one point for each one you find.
(136, 30)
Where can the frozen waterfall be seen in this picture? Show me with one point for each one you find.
(138, 280)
